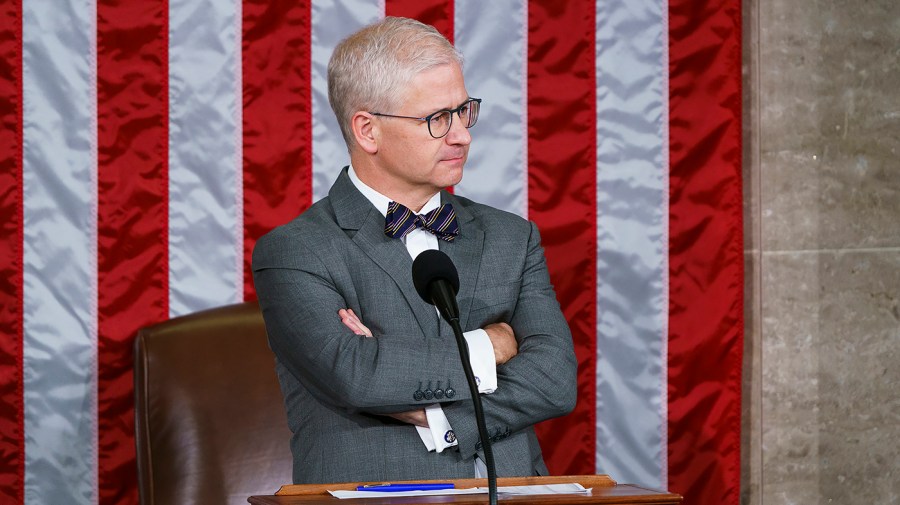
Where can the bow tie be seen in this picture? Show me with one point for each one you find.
(440, 222)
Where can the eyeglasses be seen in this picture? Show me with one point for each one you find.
(439, 122)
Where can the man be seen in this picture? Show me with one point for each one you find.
(373, 386)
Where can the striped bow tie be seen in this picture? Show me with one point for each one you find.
(441, 222)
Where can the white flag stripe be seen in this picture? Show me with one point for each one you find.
(495, 70)
(205, 104)
(59, 251)
(632, 240)
(331, 23)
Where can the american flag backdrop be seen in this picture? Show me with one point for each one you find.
(146, 145)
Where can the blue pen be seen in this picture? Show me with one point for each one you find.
(411, 486)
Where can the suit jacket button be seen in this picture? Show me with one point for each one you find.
(418, 395)
(429, 394)
(450, 393)
(438, 393)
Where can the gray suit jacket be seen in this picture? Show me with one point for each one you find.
(337, 385)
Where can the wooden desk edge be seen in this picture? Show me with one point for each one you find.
(588, 481)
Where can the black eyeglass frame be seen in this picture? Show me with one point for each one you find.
(428, 118)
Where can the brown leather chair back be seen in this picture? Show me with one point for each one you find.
(209, 416)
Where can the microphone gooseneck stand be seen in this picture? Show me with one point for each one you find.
(479, 412)
(437, 282)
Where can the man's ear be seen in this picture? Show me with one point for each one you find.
(365, 131)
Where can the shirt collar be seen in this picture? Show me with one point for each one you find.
(381, 202)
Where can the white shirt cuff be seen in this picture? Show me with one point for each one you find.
(439, 435)
(427, 438)
(482, 359)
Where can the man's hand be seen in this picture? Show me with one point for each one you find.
(504, 341)
(414, 417)
(353, 322)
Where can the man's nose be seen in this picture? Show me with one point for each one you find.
(458, 134)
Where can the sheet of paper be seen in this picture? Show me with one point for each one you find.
(385, 494)
(572, 488)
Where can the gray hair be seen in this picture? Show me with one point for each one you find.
(371, 69)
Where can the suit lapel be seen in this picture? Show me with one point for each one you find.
(466, 253)
(354, 212)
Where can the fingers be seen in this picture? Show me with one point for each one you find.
(504, 341)
(353, 322)
(414, 417)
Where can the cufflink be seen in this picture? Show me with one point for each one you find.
(449, 437)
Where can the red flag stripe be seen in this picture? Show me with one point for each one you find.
(277, 119)
(12, 441)
(705, 250)
(438, 13)
(562, 201)
(132, 218)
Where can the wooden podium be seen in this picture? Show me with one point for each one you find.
(604, 490)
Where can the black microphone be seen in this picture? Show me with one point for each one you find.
(437, 282)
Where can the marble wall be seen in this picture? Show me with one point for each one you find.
(822, 216)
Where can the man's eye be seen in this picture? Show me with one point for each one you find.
(440, 119)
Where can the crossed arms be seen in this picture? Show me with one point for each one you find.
(304, 279)
(503, 342)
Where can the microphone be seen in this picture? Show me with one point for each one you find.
(437, 282)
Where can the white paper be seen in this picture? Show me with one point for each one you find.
(573, 488)
(383, 494)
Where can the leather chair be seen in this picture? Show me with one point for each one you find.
(210, 424)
